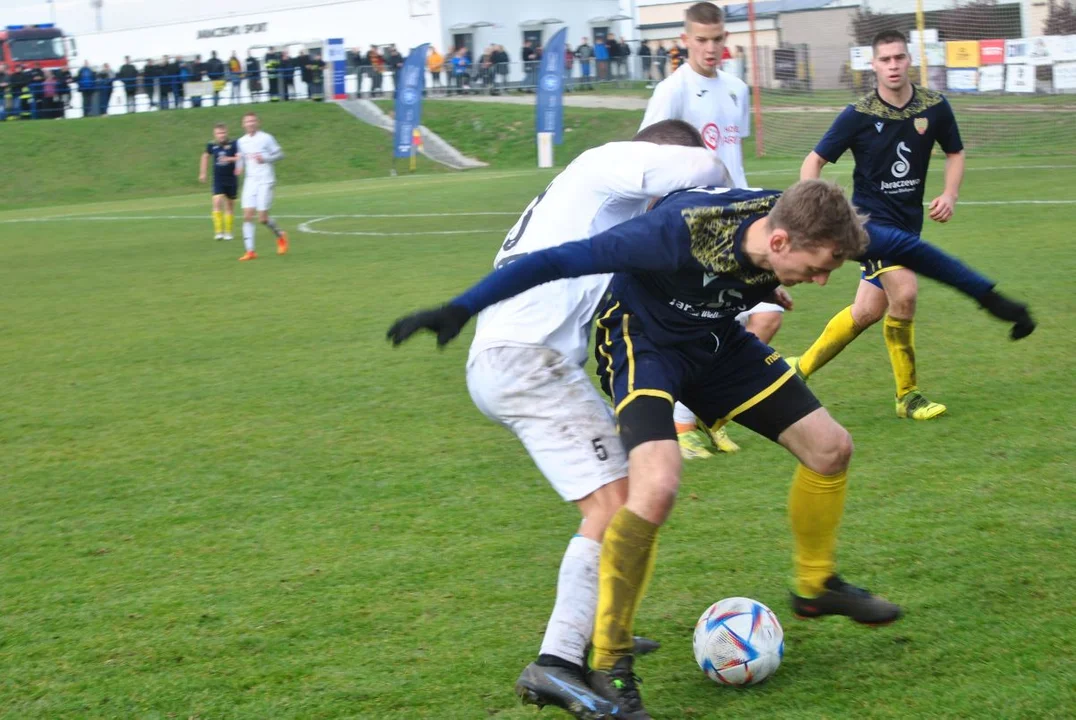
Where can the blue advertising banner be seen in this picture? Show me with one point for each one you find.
(550, 112)
(409, 100)
(336, 59)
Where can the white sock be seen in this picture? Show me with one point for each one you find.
(248, 236)
(683, 416)
(572, 622)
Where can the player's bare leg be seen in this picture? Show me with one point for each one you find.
(901, 290)
(815, 507)
(248, 234)
(218, 217)
(764, 325)
(281, 236)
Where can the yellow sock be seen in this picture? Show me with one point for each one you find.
(815, 506)
(627, 560)
(840, 331)
(228, 220)
(900, 342)
(217, 222)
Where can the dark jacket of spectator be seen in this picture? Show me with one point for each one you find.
(128, 75)
(214, 68)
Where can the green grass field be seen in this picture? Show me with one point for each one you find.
(225, 495)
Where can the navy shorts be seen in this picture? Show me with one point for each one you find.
(719, 378)
(226, 186)
(873, 269)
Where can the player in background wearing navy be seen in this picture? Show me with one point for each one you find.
(222, 152)
(891, 133)
(667, 331)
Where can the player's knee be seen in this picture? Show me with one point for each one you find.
(655, 479)
(599, 507)
(832, 451)
(867, 312)
(765, 325)
(902, 304)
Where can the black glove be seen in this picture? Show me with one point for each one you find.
(446, 321)
(1008, 310)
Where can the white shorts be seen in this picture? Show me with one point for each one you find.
(257, 195)
(554, 409)
(760, 308)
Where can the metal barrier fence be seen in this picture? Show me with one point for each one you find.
(144, 94)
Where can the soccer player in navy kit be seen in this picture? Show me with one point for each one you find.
(222, 151)
(667, 332)
(891, 133)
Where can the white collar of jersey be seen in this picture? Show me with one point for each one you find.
(700, 76)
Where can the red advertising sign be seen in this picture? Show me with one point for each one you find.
(991, 52)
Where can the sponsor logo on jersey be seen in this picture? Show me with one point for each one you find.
(901, 167)
(700, 93)
(921, 125)
(711, 135)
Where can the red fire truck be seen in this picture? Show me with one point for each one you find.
(33, 46)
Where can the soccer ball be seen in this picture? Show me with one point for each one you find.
(738, 641)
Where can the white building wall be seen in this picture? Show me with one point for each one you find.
(510, 18)
(147, 29)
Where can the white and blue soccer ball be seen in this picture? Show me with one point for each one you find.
(738, 641)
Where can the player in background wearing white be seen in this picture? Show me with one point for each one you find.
(718, 104)
(258, 151)
(525, 371)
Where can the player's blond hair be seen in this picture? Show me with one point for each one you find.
(816, 213)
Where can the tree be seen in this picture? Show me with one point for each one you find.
(1062, 18)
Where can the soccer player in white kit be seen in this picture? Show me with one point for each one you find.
(525, 371)
(718, 104)
(258, 151)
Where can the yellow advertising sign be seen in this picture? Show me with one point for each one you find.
(962, 54)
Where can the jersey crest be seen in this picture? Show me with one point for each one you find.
(921, 125)
(713, 231)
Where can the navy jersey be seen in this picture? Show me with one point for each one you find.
(892, 147)
(680, 267)
(222, 170)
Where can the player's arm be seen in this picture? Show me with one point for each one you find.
(656, 241)
(941, 207)
(204, 167)
(239, 162)
(833, 144)
(811, 169)
(273, 152)
(916, 254)
(668, 168)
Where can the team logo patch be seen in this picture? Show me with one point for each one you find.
(878, 126)
(921, 125)
(711, 136)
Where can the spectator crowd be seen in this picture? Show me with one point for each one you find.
(177, 82)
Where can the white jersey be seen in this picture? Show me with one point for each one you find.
(719, 107)
(259, 143)
(603, 187)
